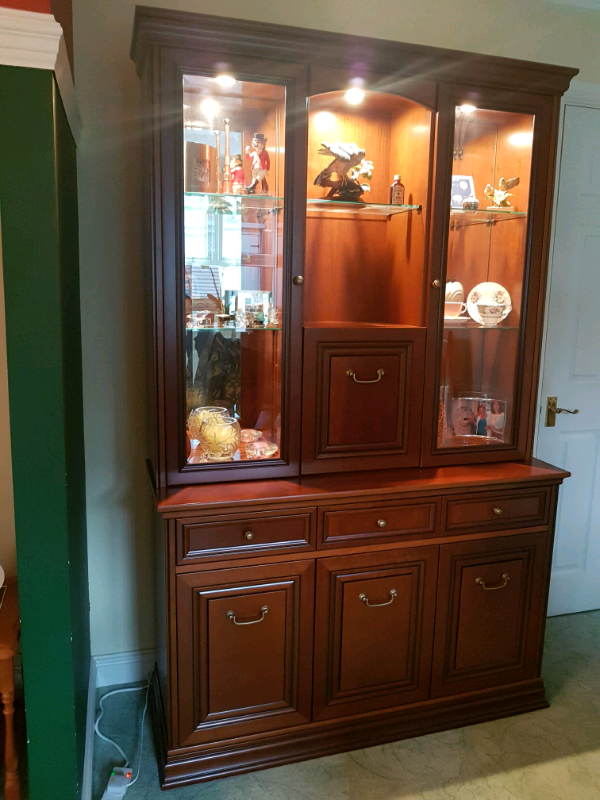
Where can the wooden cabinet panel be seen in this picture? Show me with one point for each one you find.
(362, 398)
(485, 511)
(378, 523)
(244, 650)
(374, 626)
(489, 612)
(230, 536)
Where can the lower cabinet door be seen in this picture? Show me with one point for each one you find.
(374, 630)
(244, 650)
(490, 611)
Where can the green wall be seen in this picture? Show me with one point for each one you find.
(38, 208)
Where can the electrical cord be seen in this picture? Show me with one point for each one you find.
(141, 737)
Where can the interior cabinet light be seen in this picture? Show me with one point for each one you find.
(226, 81)
(354, 96)
(467, 108)
(209, 107)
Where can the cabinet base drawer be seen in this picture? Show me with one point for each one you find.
(378, 523)
(497, 510)
(211, 538)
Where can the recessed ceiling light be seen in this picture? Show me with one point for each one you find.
(225, 80)
(467, 108)
(354, 96)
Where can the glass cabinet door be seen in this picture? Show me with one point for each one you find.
(484, 310)
(233, 163)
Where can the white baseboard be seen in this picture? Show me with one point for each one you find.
(88, 758)
(129, 667)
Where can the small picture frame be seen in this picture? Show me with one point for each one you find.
(462, 187)
(479, 416)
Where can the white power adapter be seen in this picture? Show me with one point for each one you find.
(118, 783)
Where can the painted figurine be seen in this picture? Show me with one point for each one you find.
(261, 163)
(500, 195)
(236, 169)
(347, 158)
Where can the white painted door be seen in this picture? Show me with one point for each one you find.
(571, 369)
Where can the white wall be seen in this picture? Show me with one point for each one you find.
(119, 517)
(8, 558)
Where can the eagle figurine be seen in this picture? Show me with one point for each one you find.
(500, 195)
(346, 156)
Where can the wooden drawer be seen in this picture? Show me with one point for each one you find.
(229, 536)
(496, 510)
(378, 523)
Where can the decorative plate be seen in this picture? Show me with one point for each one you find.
(487, 293)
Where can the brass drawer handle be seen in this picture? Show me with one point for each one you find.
(365, 599)
(249, 536)
(381, 523)
(351, 374)
(497, 511)
(505, 579)
(264, 610)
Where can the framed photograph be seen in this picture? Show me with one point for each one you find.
(479, 416)
(462, 187)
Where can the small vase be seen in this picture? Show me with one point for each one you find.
(198, 415)
(219, 437)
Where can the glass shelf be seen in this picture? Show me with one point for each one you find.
(225, 329)
(235, 203)
(348, 208)
(460, 218)
(471, 325)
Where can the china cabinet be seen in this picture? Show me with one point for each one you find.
(354, 538)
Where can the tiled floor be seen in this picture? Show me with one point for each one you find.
(546, 755)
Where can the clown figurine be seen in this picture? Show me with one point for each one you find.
(236, 170)
(261, 163)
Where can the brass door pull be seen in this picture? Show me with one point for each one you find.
(497, 511)
(505, 580)
(249, 536)
(351, 374)
(365, 599)
(264, 610)
(381, 523)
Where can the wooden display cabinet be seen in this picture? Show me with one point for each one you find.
(354, 538)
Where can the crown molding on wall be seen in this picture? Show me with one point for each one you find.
(581, 93)
(34, 40)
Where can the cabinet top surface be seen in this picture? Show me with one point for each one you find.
(359, 485)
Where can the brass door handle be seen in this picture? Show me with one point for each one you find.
(264, 611)
(497, 511)
(365, 599)
(381, 523)
(505, 580)
(249, 536)
(552, 410)
(351, 374)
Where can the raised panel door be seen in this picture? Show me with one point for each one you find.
(244, 645)
(374, 626)
(490, 612)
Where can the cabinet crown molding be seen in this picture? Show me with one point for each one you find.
(189, 30)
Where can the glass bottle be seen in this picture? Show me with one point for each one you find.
(397, 192)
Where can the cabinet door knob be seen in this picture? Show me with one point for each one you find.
(505, 579)
(497, 511)
(436, 284)
(365, 599)
(381, 523)
(298, 280)
(249, 535)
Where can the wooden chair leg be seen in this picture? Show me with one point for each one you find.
(12, 787)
